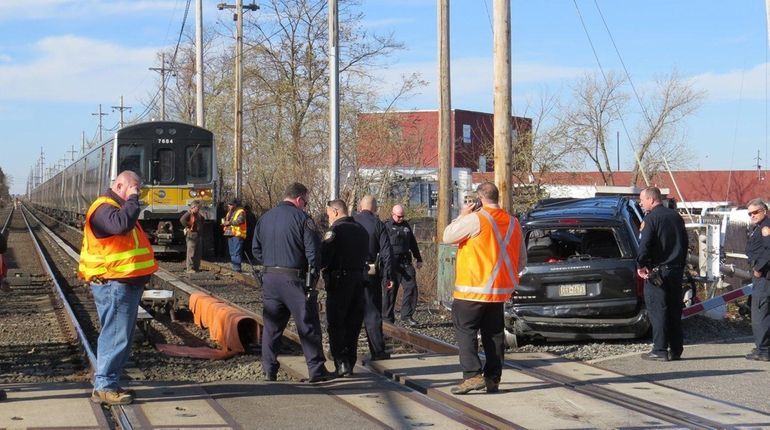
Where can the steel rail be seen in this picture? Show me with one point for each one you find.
(119, 413)
(7, 220)
(90, 354)
(665, 413)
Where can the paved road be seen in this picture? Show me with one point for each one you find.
(718, 371)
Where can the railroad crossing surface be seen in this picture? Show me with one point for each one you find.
(712, 381)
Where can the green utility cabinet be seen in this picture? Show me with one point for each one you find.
(447, 257)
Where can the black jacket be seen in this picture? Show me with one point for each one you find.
(403, 241)
(664, 239)
(758, 247)
(344, 246)
(379, 242)
(286, 236)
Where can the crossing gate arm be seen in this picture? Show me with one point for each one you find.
(717, 301)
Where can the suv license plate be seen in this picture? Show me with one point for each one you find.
(568, 290)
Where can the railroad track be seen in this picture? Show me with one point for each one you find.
(43, 339)
(74, 308)
(540, 369)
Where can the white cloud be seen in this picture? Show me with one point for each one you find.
(472, 79)
(5, 58)
(70, 68)
(733, 85)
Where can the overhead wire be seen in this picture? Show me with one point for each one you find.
(606, 80)
(151, 105)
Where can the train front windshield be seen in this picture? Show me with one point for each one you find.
(167, 156)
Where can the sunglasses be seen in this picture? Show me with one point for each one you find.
(752, 213)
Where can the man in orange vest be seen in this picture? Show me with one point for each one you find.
(489, 257)
(234, 225)
(117, 259)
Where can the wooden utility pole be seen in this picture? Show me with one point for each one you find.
(444, 123)
(238, 128)
(199, 118)
(334, 106)
(238, 75)
(502, 101)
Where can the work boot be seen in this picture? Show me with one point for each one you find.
(492, 384)
(470, 384)
(380, 356)
(111, 397)
(323, 375)
(128, 391)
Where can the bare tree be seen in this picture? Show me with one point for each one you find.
(286, 100)
(598, 103)
(660, 135)
(5, 182)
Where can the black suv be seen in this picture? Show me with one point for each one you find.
(580, 281)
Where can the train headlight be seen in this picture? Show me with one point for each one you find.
(193, 193)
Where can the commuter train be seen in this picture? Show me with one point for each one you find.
(177, 164)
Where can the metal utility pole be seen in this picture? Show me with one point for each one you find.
(334, 104)
(444, 123)
(759, 166)
(41, 166)
(121, 108)
(199, 119)
(502, 101)
(83, 142)
(238, 128)
(72, 152)
(162, 70)
(100, 114)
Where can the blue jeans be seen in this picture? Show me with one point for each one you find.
(235, 244)
(117, 304)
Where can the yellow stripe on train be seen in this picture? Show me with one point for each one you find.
(175, 196)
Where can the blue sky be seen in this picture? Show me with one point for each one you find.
(59, 59)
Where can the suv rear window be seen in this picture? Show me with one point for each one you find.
(551, 245)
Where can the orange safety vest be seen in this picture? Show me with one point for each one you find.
(119, 256)
(239, 230)
(485, 271)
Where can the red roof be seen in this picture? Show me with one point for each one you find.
(737, 186)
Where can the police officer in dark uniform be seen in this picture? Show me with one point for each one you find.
(404, 247)
(343, 260)
(379, 269)
(758, 251)
(287, 244)
(662, 258)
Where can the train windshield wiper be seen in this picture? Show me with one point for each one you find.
(194, 151)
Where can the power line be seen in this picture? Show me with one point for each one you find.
(151, 104)
(604, 75)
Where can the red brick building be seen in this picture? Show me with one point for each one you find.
(410, 139)
(737, 186)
